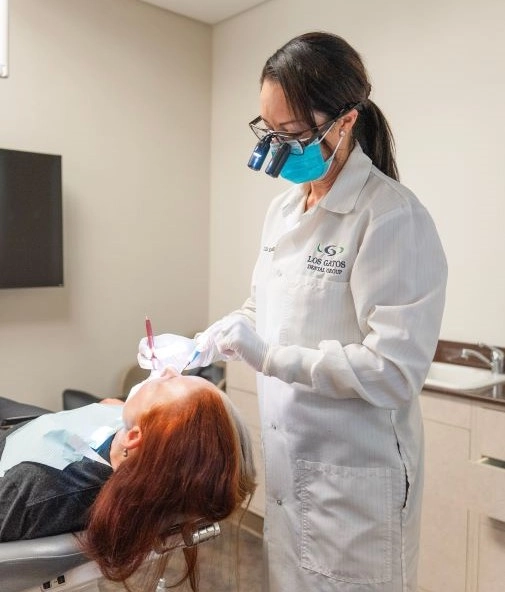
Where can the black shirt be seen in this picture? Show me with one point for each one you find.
(37, 500)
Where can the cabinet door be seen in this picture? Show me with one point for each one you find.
(247, 404)
(258, 501)
(443, 552)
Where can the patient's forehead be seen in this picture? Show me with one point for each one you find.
(174, 386)
(168, 388)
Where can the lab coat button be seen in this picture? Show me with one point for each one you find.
(274, 426)
(279, 502)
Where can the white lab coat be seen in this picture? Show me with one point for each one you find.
(358, 283)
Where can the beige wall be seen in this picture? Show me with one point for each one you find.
(121, 90)
(437, 71)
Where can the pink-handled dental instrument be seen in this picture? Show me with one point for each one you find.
(150, 342)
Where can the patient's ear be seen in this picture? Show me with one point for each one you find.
(133, 438)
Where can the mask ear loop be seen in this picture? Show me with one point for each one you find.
(341, 133)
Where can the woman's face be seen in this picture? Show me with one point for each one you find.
(276, 113)
(170, 386)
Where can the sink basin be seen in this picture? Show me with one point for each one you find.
(455, 377)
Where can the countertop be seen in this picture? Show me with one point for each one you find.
(491, 394)
(449, 352)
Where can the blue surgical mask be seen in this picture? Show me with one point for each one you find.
(310, 165)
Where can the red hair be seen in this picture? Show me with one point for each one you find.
(189, 466)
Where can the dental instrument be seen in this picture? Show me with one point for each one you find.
(150, 342)
(193, 357)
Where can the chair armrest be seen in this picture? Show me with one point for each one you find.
(13, 412)
(73, 398)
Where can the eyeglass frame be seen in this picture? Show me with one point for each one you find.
(297, 143)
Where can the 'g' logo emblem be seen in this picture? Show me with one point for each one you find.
(330, 249)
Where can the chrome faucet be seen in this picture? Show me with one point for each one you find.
(495, 362)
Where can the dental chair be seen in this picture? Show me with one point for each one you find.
(48, 563)
(57, 562)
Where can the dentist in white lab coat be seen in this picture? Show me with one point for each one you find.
(341, 325)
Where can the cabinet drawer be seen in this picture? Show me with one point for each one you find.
(491, 433)
(446, 409)
(488, 486)
(491, 553)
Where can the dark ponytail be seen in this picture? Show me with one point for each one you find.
(322, 72)
(376, 139)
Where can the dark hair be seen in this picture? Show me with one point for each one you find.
(322, 72)
(195, 462)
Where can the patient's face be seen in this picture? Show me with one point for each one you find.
(170, 386)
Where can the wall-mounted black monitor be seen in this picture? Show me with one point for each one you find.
(31, 222)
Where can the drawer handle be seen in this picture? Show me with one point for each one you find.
(492, 462)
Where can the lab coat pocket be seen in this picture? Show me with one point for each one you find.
(347, 521)
(314, 310)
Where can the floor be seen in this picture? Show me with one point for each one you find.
(218, 560)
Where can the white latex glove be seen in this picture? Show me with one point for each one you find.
(233, 337)
(206, 345)
(169, 350)
(236, 338)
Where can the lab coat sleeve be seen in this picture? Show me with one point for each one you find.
(398, 285)
(248, 309)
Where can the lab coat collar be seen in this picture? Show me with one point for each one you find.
(293, 205)
(344, 193)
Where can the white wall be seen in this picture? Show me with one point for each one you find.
(437, 72)
(121, 90)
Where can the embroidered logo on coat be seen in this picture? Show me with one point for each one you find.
(325, 262)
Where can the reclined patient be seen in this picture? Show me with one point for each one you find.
(130, 475)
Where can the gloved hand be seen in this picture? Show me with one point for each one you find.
(170, 350)
(206, 345)
(235, 337)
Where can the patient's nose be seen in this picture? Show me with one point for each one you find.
(170, 372)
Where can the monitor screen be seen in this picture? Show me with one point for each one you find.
(31, 224)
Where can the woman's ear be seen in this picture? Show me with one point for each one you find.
(132, 438)
(347, 121)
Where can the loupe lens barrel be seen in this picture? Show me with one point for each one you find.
(259, 154)
(278, 160)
